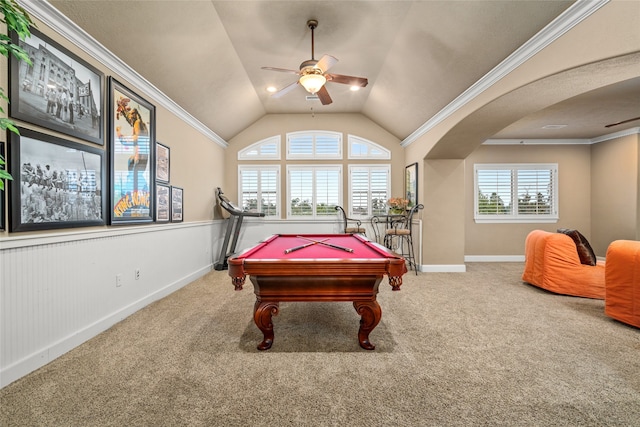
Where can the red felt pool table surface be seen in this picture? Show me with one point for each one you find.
(275, 247)
(287, 267)
(269, 257)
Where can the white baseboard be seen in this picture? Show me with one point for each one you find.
(443, 268)
(494, 258)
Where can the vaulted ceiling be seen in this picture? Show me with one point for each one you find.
(418, 56)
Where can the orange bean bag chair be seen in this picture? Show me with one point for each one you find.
(552, 263)
(622, 282)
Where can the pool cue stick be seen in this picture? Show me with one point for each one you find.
(297, 248)
(323, 242)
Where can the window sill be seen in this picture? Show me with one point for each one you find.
(516, 220)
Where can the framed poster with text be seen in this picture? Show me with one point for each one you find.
(163, 165)
(163, 203)
(133, 176)
(176, 204)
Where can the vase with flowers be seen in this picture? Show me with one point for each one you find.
(397, 205)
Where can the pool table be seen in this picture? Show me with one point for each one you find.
(317, 267)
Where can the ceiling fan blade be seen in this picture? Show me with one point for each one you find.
(622, 122)
(285, 90)
(347, 80)
(283, 70)
(326, 62)
(323, 95)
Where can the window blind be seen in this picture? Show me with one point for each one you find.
(314, 145)
(369, 188)
(314, 190)
(259, 189)
(516, 192)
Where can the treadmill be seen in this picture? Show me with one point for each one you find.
(234, 223)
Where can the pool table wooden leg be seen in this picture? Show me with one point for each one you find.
(238, 282)
(395, 282)
(370, 314)
(262, 316)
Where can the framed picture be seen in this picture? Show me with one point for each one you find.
(56, 183)
(176, 204)
(411, 184)
(59, 91)
(132, 131)
(162, 162)
(163, 203)
(2, 195)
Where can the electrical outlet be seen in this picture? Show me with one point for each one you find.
(118, 280)
(137, 273)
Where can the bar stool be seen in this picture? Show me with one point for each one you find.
(347, 229)
(401, 234)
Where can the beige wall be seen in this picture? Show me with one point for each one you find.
(280, 124)
(574, 191)
(443, 181)
(614, 190)
(604, 35)
(197, 164)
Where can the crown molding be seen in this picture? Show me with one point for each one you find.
(571, 17)
(53, 18)
(622, 133)
(577, 141)
(551, 141)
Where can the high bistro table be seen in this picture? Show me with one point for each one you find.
(388, 221)
(317, 267)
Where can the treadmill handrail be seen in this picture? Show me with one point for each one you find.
(233, 209)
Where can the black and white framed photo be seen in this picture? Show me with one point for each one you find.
(176, 204)
(56, 183)
(163, 163)
(163, 203)
(2, 195)
(58, 91)
(132, 123)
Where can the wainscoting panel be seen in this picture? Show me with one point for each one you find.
(59, 291)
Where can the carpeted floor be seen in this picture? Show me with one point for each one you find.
(453, 349)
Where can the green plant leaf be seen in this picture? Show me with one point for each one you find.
(8, 124)
(16, 19)
(19, 53)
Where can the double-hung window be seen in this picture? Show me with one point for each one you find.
(259, 189)
(516, 192)
(313, 191)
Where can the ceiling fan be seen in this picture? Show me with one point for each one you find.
(622, 122)
(313, 74)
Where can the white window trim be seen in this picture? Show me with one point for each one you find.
(275, 168)
(313, 189)
(515, 218)
(385, 155)
(276, 140)
(314, 155)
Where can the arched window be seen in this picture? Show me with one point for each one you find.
(360, 148)
(266, 149)
(315, 145)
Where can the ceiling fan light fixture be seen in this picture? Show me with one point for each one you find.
(313, 81)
